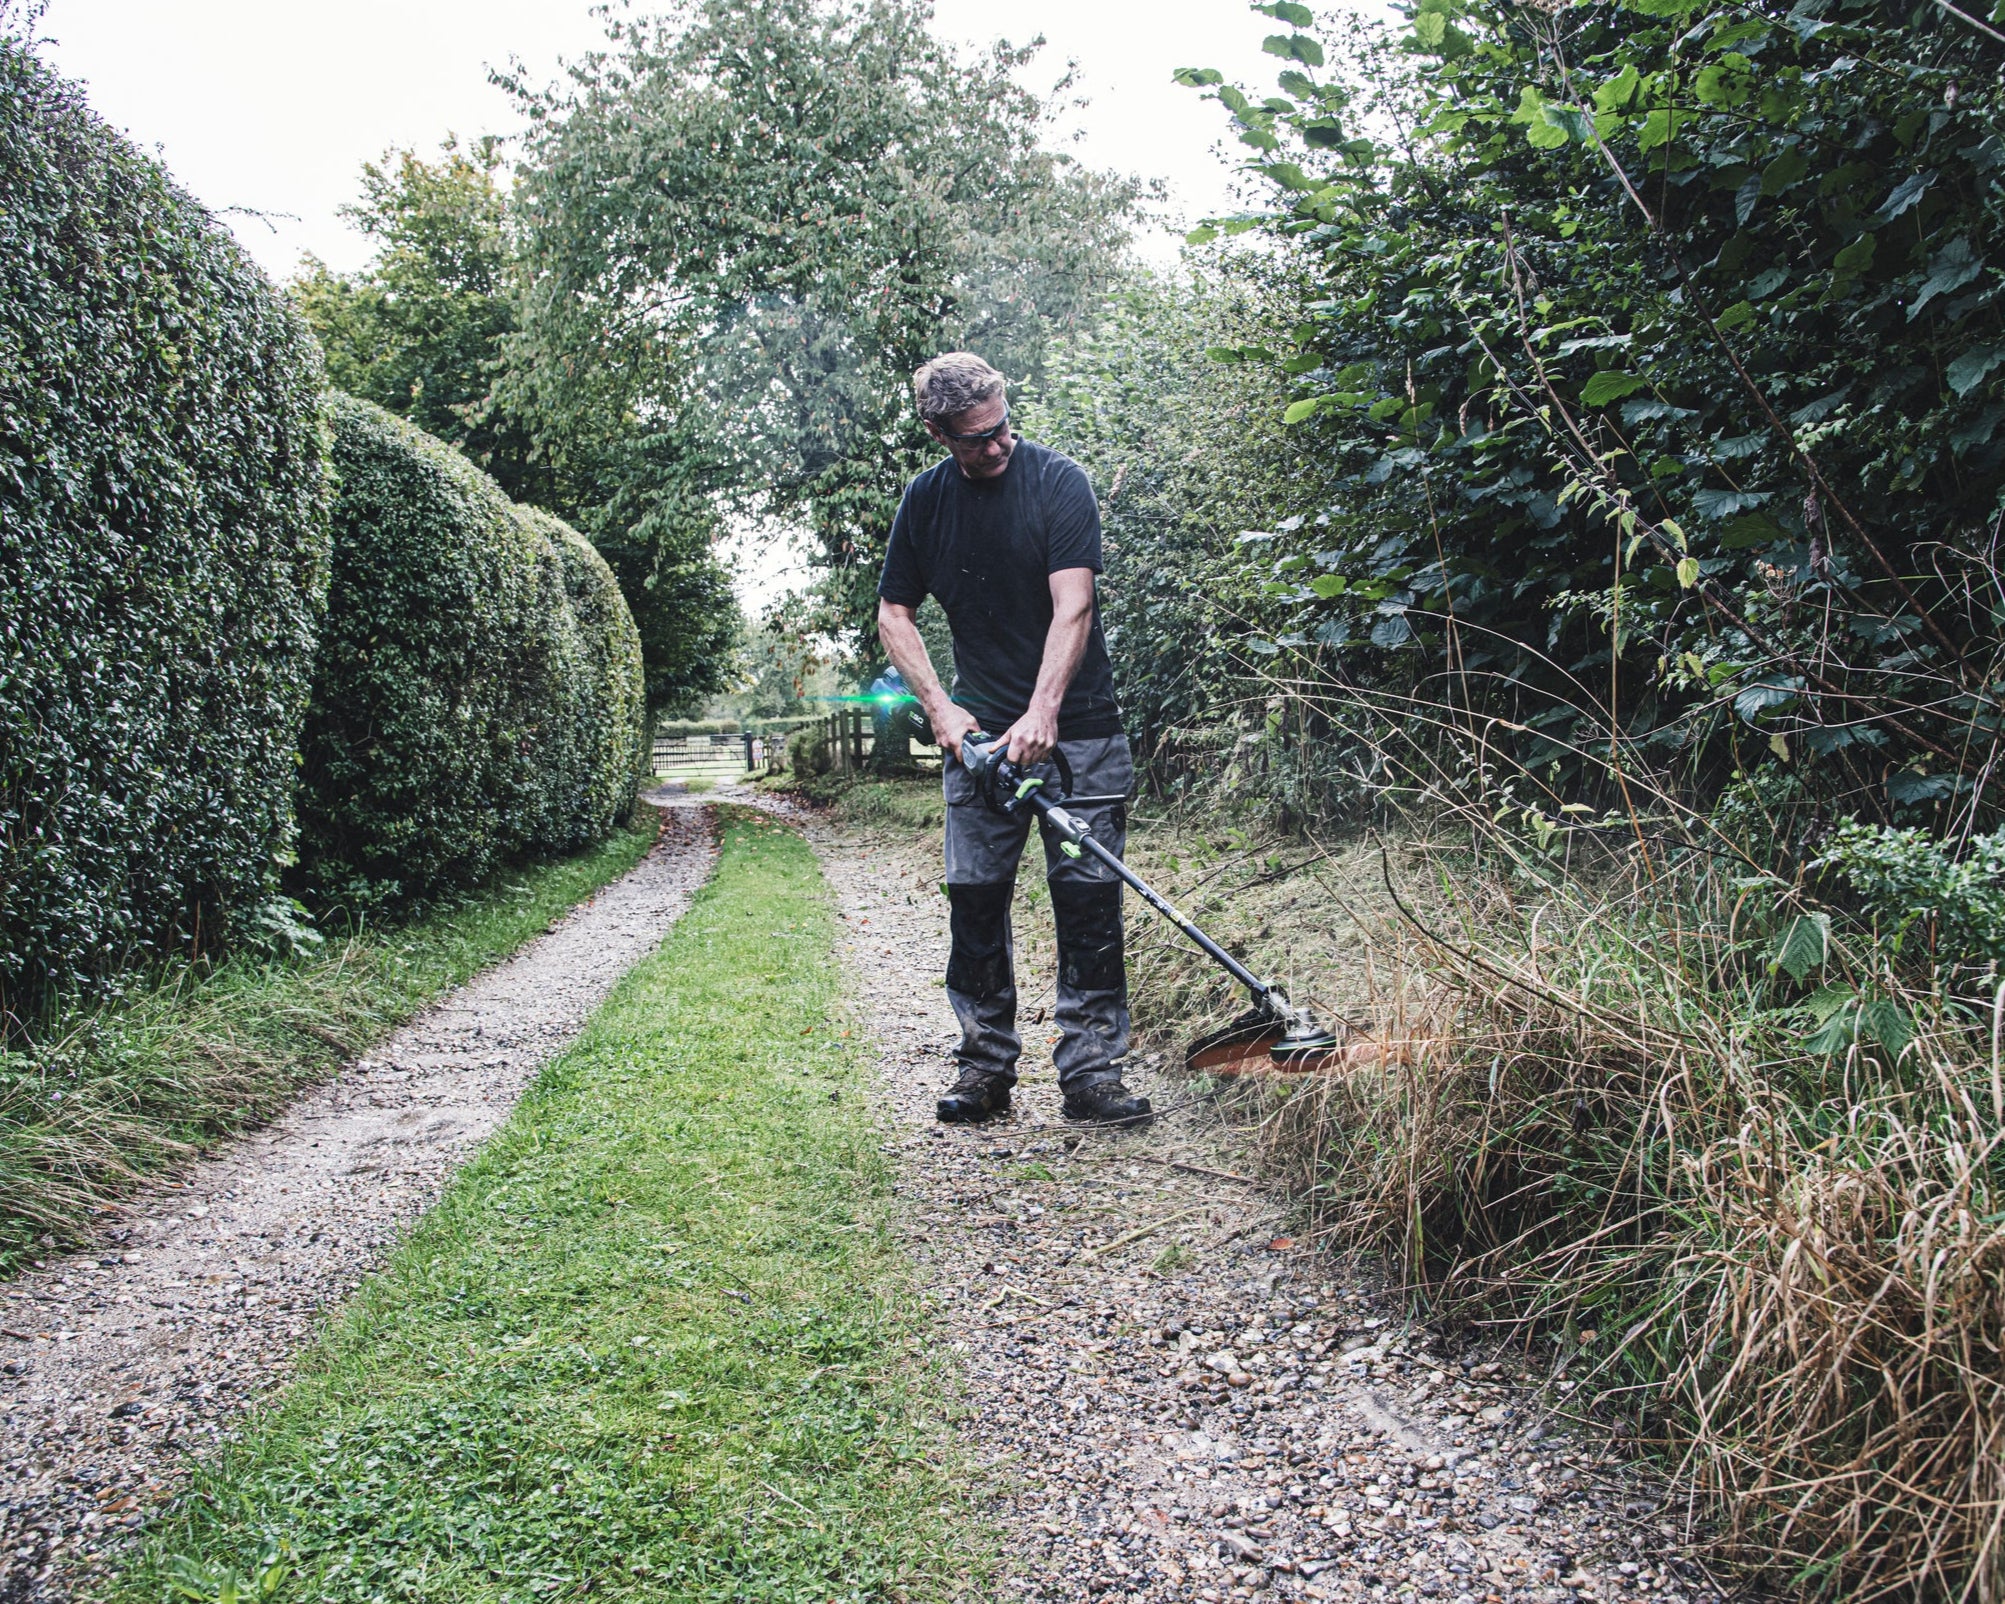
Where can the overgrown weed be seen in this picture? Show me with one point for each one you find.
(1722, 1145)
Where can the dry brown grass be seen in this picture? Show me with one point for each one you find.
(1580, 1112)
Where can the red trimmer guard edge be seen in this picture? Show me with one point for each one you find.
(1246, 1047)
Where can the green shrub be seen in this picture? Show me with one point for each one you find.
(456, 698)
(612, 714)
(807, 751)
(1909, 882)
(163, 556)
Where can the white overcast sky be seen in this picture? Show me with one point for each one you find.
(270, 106)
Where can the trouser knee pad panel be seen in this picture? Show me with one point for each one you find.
(979, 964)
(1088, 915)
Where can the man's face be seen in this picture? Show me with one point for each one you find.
(978, 459)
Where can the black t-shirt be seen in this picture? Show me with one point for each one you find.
(987, 548)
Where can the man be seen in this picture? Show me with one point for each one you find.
(1006, 534)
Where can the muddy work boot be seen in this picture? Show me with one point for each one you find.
(976, 1095)
(1107, 1102)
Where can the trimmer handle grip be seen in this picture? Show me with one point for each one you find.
(1000, 783)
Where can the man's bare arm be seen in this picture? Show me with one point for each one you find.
(1032, 737)
(898, 628)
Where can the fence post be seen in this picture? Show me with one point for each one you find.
(748, 751)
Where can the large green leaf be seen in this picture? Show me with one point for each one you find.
(1803, 946)
(1610, 384)
(1970, 370)
(1295, 47)
(1888, 1023)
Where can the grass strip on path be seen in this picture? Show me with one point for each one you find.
(135, 1088)
(654, 1343)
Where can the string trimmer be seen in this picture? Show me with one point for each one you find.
(1273, 1031)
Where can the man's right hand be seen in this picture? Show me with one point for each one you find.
(952, 724)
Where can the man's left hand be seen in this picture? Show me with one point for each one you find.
(1031, 738)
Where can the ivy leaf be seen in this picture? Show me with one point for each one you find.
(1804, 945)
(1688, 572)
(1329, 586)
(1610, 384)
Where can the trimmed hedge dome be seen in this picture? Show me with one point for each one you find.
(163, 555)
(456, 695)
(612, 744)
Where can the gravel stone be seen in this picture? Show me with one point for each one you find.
(1253, 1419)
(121, 1366)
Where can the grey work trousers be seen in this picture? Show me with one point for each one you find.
(983, 848)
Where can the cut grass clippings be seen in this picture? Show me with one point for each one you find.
(130, 1091)
(655, 1342)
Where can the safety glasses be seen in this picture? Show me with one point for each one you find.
(981, 438)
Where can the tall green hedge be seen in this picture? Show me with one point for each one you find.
(612, 745)
(163, 555)
(459, 705)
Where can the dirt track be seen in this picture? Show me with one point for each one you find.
(122, 1364)
(1255, 1420)
(1170, 1401)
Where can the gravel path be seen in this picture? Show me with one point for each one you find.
(121, 1365)
(1177, 1403)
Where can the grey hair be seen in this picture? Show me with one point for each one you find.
(952, 383)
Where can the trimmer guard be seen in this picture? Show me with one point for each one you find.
(1259, 1042)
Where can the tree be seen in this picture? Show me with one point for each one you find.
(1193, 475)
(424, 332)
(744, 226)
(420, 331)
(1659, 348)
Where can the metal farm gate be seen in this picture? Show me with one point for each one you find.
(706, 757)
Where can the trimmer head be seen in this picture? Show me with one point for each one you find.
(1261, 1041)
